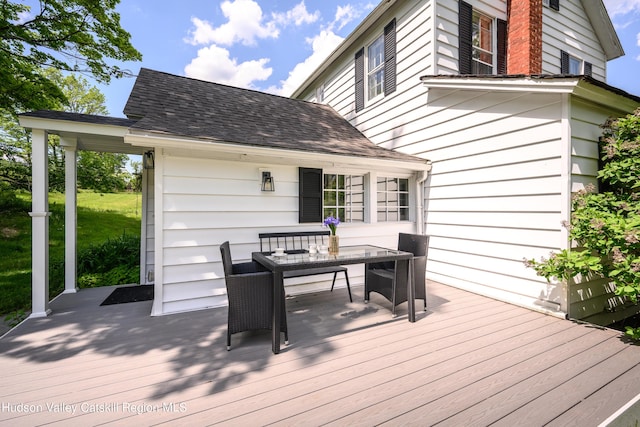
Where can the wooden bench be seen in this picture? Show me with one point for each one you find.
(298, 242)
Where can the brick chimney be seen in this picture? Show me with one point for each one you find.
(524, 37)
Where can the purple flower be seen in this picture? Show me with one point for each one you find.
(332, 223)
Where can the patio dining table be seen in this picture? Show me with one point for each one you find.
(298, 260)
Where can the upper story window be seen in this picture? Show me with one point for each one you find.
(320, 94)
(571, 65)
(482, 41)
(375, 68)
(482, 44)
(553, 4)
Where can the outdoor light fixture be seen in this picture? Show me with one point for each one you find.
(267, 182)
(147, 160)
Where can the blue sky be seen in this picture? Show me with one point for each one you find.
(273, 45)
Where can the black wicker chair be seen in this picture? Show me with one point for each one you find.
(250, 294)
(390, 282)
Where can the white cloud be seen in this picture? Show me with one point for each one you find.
(298, 16)
(215, 64)
(621, 7)
(244, 24)
(622, 12)
(322, 45)
(344, 15)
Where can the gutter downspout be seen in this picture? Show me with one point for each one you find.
(421, 177)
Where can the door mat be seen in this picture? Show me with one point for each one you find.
(129, 294)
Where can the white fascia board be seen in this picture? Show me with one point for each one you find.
(524, 84)
(345, 45)
(604, 29)
(247, 153)
(607, 98)
(72, 127)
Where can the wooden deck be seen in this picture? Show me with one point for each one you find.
(467, 361)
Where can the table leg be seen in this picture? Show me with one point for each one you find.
(277, 309)
(411, 292)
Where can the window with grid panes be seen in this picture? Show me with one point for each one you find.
(343, 197)
(393, 199)
(482, 40)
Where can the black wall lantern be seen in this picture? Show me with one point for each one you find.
(147, 160)
(267, 182)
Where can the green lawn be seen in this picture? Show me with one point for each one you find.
(100, 217)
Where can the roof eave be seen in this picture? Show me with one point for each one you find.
(251, 153)
(70, 126)
(579, 86)
(502, 83)
(603, 27)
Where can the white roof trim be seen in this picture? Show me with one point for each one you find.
(237, 152)
(602, 26)
(71, 126)
(576, 86)
(507, 84)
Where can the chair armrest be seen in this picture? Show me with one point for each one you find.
(386, 265)
(248, 267)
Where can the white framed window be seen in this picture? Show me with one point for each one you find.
(392, 199)
(375, 68)
(483, 44)
(575, 65)
(320, 94)
(344, 197)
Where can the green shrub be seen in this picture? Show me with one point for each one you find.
(9, 201)
(606, 225)
(113, 262)
(123, 251)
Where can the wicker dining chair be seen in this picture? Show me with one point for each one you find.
(390, 282)
(250, 294)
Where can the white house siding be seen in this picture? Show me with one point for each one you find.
(206, 202)
(593, 298)
(570, 30)
(495, 191)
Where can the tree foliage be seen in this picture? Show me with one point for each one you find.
(67, 35)
(102, 172)
(606, 225)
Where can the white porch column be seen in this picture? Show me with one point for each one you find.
(40, 225)
(70, 213)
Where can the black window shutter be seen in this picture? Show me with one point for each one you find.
(502, 47)
(588, 69)
(310, 195)
(390, 57)
(564, 62)
(359, 68)
(465, 33)
(554, 4)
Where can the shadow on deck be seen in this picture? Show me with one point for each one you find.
(468, 360)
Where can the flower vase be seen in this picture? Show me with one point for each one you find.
(333, 244)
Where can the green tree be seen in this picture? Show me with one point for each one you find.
(15, 153)
(102, 172)
(606, 225)
(67, 35)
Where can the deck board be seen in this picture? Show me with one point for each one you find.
(468, 360)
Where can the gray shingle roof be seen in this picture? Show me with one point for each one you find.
(180, 106)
